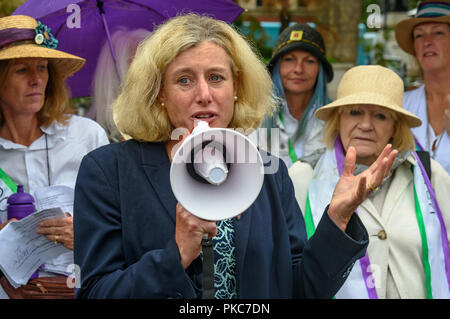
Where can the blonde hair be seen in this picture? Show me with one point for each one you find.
(137, 111)
(402, 140)
(56, 105)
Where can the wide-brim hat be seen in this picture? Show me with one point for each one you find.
(301, 37)
(24, 37)
(427, 11)
(370, 84)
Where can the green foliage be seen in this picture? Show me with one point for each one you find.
(81, 104)
(364, 13)
(256, 35)
(8, 6)
(365, 3)
(378, 49)
(413, 4)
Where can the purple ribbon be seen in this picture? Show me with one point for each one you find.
(11, 35)
(340, 157)
(418, 144)
(364, 261)
(441, 220)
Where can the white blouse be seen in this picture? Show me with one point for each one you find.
(415, 102)
(309, 147)
(56, 155)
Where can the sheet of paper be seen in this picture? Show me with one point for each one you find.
(55, 196)
(59, 265)
(24, 250)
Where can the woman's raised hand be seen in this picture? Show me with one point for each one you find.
(351, 191)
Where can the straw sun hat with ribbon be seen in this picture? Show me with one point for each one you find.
(24, 37)
(370, 84)
(427, 11)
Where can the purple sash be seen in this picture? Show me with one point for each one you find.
(364, 261)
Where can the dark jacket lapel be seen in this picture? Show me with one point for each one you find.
(156, 165)
(241, 230)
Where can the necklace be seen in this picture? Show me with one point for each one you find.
(48, 163)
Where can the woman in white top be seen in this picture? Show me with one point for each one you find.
(41, 142)
(427, 37)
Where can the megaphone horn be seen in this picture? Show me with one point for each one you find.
(216, 173)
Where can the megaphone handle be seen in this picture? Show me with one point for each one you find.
(208, 267)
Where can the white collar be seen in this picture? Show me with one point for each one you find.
(55, 131)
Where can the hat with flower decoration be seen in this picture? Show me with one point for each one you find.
(24, 37)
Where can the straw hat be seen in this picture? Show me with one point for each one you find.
(427, 11)
(301, 37)
(23, 37)
(370, 84)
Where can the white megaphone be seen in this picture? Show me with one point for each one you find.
(216, 173)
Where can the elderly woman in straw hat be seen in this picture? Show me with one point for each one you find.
(427, 37)
(41, 142)
(407, 215)
(132, 238)
(300, 73)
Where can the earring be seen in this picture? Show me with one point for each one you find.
(235, 98)
(162, 104)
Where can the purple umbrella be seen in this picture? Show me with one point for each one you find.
(82, 26)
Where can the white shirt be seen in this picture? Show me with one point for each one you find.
(67, 145)
(415, 102)
(290, 125)
(309, 147)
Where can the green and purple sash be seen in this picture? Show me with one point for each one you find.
(360, 283)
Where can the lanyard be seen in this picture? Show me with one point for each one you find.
(7, 188)
(8, 181)
(292, 153)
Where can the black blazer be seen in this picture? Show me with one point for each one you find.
(125, 235)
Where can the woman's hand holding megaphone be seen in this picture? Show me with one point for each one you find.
(189, 231)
